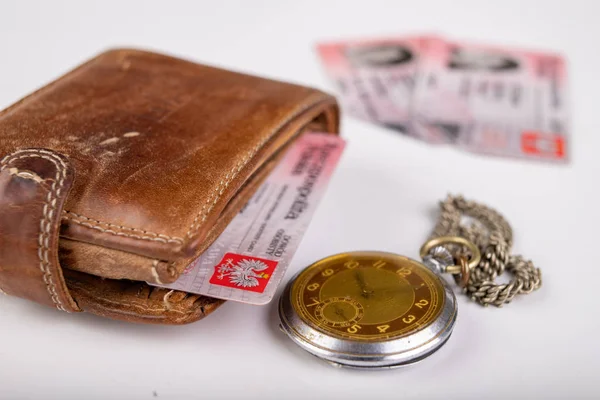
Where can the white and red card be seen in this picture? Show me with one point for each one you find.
(248, 260)
(485, 99)
(375, 78)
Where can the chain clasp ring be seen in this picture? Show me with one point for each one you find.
(465, 266)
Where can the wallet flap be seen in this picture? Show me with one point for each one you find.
(161, 145)
(34, 184)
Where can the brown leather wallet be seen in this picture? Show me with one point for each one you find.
(125, 169)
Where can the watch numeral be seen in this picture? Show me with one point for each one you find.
(354, 328)
(351, 264)
(313, 286)
(383, 328)
(314, 303)
(409, 319)
(404, 272)
(327, 272)
(421, 303)
(379, 263)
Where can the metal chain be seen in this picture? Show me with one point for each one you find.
(493, 235)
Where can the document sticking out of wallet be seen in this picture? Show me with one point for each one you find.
(484, 99)
(247, 262)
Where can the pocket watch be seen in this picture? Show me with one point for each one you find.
(372, 309)
(368, 309)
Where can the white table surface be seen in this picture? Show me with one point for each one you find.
(383, 196)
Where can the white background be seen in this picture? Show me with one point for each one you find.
(383, 196)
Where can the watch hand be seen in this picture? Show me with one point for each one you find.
(362, 284)
(359, 279)
(340, 312)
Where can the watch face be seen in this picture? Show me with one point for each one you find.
(368, 296)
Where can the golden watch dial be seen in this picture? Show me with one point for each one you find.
(368, 296)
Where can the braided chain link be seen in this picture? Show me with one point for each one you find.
(493, 235)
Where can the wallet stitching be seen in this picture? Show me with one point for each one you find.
(48, 210)
(155, 272)
(218, 192)
(95, 224)
(223, 184)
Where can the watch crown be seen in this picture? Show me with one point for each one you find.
(438, 259)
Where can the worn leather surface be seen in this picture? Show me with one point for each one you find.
(34, 184)
(164, 152)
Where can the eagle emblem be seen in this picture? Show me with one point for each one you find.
(243, 272)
